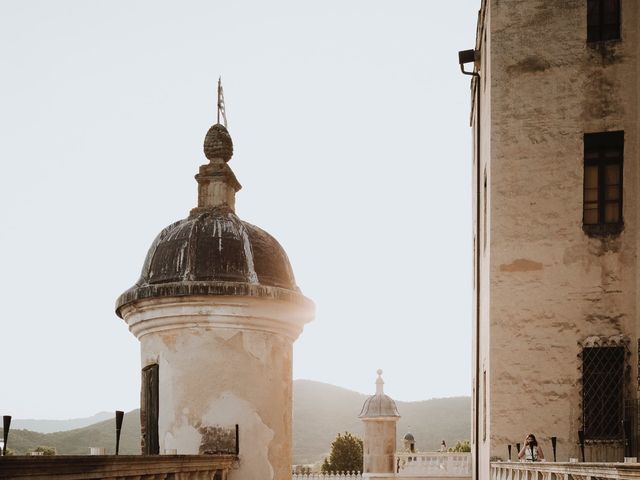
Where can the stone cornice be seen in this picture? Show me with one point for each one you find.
(233, 312)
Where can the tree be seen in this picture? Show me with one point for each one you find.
(46, 451)
(345, 456)
(461, 446)
(301, 470)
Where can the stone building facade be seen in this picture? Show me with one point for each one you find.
(555, 121)
(216, 311)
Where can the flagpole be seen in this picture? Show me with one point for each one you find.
(219, 85)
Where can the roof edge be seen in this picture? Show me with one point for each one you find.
(184, 289)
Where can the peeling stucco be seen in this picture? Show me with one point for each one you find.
(218, 367)
(521, 265)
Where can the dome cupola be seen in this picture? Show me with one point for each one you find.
(409, 442)
(212, 251)
(379, 405)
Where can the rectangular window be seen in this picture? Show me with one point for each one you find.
(149, 406)
(603, 392)
(603, 161)
(603, 20)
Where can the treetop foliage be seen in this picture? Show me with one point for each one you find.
(346, 454)
(461, 446)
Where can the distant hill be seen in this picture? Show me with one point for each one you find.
(78, 441)
(320, 412)
(49, 426)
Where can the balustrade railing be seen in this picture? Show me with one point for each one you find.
(433, 464)
(564, 471)
(328, 476)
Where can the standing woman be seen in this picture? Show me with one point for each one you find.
(531, 452)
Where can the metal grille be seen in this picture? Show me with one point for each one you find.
(603, 392)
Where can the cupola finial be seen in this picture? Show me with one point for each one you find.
(217, 142)
(217, 185)
(379, 383)
(221, 109)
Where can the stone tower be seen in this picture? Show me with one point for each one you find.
(216, 311)
(556, 125)
(380, 415)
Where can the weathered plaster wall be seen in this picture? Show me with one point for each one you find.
(379, 445)
(222, 363)
(552, 286)
(229, 376)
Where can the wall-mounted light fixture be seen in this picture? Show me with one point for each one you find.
(468, 56)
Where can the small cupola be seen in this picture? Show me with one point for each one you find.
(409, 442)
(379, 405)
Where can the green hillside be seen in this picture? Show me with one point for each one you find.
(320, 412)
(78, 441)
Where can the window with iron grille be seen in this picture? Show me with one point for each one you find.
(603, 20)
(603, 162)
(603, 392)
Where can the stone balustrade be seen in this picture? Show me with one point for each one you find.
(433, 464)
(563, 471)
(121, 467)
(328, 476)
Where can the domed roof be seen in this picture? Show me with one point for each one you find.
(379, 405)
(213, 252)
(213, 246)
(409, 437)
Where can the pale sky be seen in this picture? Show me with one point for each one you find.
(350, 120)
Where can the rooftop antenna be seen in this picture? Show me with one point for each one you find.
(221, 109)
